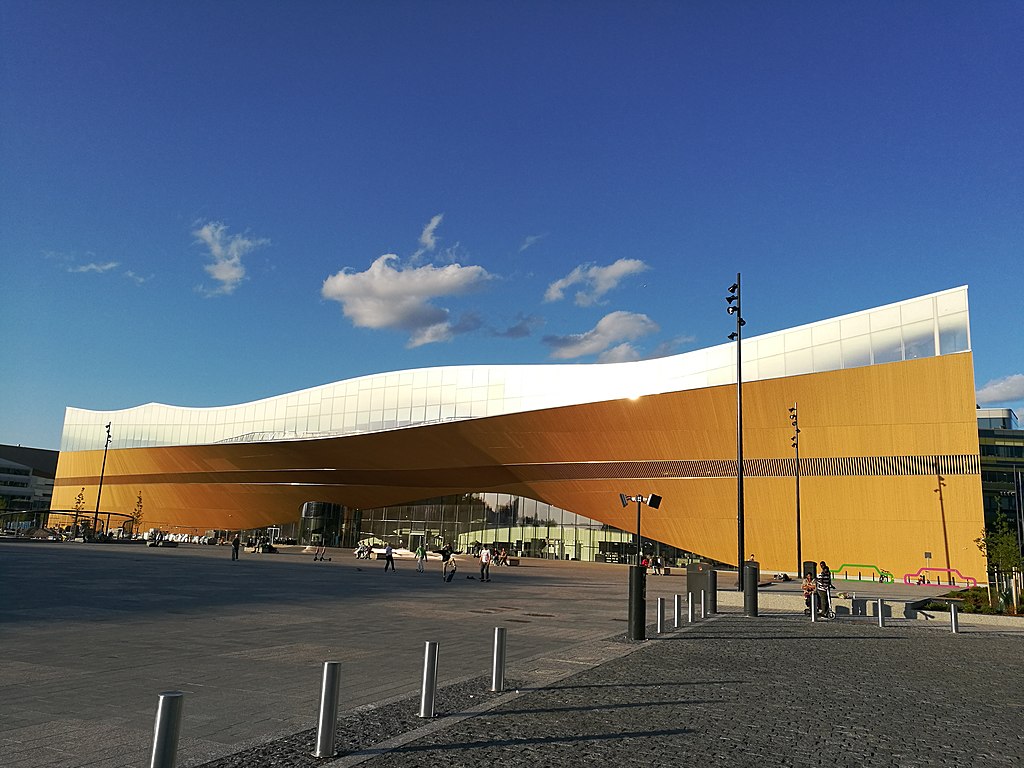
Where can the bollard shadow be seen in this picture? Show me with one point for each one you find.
(599, 707)
(661, 684)
(520, 742)
(794, 638)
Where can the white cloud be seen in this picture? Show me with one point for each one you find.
(610, 330)
(93, 267)
(137, 279)
(622, 353)
(596, 281)
(671, 346)
(522, 328)
(389, 296)
(428, 241)
(227, 252)
(1008, 389)
(530, 240)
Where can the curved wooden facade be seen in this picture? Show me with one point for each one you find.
(889, 468)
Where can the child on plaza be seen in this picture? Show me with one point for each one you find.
(808, 586)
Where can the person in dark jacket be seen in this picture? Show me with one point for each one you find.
(823, 585)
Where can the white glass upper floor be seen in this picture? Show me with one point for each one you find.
(927, 326)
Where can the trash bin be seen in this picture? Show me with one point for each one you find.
(701, 577)
(810, 567)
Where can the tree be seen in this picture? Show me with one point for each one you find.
(999, 544)
(137, 515)
(80, 501)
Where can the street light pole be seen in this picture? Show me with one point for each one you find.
(639, 536)
(637, 610)
(795, 420)
(99, 492)
(734, 308)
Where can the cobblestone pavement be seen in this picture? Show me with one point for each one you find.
(771, 691)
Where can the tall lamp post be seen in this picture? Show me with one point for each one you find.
(734, 308)
(794, 418)
(99, 492)
(637, 573)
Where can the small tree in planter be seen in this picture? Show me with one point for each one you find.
(79, 507)
(137, 515)
(999, 545)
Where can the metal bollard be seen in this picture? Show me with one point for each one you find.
(661, 615)
(881, 612)
(167, 729)
(328, 721)
(677, 613)
(814, 606)
(689, 607)
(954, 620)
(498, 667)
(751, 575)
(429, 680)
(703, 612)
(637, 615)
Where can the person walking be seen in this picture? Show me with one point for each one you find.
(389, 558)
(421, 558)
(235, 544)
(447, 561)
(485, 563)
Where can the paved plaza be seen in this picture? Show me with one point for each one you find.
(90, 634)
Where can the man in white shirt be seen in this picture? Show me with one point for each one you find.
(485, 563)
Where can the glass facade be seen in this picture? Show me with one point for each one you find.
(1001, 444)
(15, 486)
(522, 527)
(922, 327)
(997, 418)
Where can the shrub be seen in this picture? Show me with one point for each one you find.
(975, 600)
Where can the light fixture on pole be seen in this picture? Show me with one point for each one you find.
(637, 617)
(99, 492)
(794, 418)
(734, 308)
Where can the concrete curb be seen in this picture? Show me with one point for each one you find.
(868, 606)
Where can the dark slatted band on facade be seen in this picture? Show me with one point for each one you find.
(845, 466)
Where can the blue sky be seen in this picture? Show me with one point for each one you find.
(210, 203)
